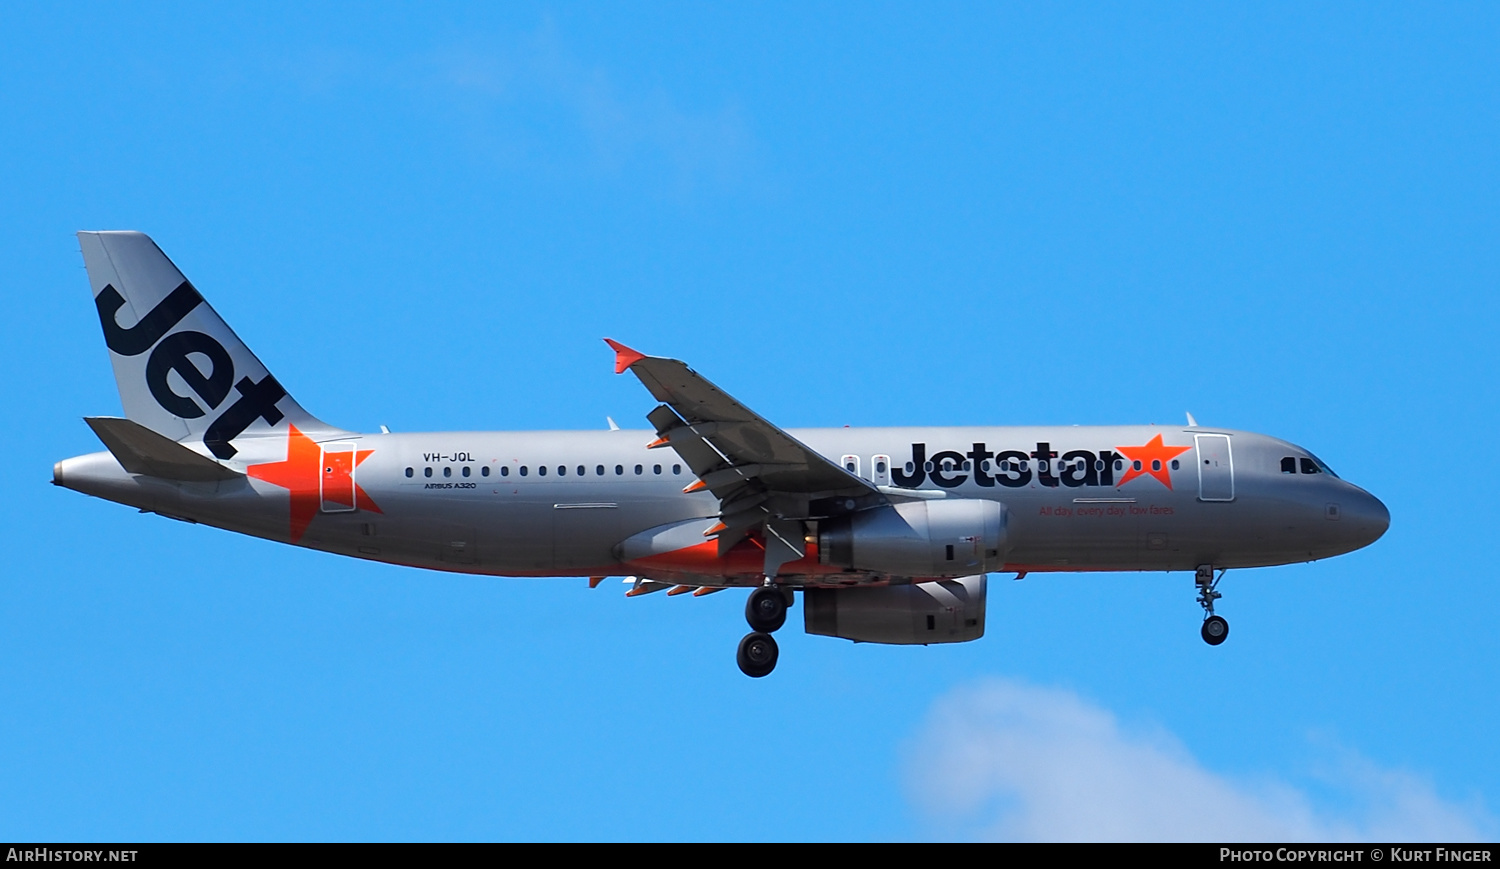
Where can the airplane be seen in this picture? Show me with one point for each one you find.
(888, 533)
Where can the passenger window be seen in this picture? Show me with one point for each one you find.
(910, 468)
(1136, 465)
(505, 470)
(656, 469)
(484, 471)
(447, 472)
(580, 470)
(638, 470)
(562, 470)
(676, 469)
(1309, 466)
(849, 466)
(619, 470)
(599, 470)
(427, 472)
(1175, 464)
(523, 470)
(1119, 465)
(1156, 464)
(409, 472)
(466, 470)
(541, 470)
(880, 467)
(966, 466)
(1289, 465)
(927, 467)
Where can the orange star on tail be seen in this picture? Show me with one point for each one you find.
(307, 478)
(1154, 458)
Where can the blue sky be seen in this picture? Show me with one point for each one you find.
(1281, 219)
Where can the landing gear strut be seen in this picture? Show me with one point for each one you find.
(765, 611)
(1215, 628)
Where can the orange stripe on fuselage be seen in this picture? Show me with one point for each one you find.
(747, 558)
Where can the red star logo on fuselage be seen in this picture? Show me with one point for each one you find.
(313, 478)
(1153, 458)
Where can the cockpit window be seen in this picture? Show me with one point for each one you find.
(1308, 464)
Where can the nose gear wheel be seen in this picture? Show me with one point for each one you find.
(1215, 628)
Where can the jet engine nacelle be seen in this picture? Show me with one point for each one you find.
(942, 611)
(955, 537)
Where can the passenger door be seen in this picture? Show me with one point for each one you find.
(1215, 468)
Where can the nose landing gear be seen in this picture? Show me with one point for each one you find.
(765, 611)
(1215, 628)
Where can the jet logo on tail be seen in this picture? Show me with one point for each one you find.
(173, 352)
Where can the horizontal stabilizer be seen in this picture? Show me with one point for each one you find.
(142, 451)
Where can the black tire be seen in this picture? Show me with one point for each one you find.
(1215, 630)
(765, 610)
(757, 655)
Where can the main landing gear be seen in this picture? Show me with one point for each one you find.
(765, 611)
(1215, 628)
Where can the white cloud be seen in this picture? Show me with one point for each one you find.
(1010, 761)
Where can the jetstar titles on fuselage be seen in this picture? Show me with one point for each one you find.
(1016, 468)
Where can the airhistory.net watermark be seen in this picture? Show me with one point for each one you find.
(67, 855)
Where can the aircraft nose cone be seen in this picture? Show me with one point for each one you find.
(1366, 518)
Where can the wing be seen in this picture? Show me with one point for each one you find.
(765, 479)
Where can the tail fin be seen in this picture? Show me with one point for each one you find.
(182, 372)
